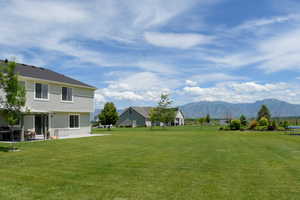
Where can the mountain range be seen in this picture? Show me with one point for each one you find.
(222, 110)
(219, 109)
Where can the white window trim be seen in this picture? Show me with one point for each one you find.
(78, 121)
(41, 99)
(64, 101)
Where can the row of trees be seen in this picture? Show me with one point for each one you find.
(263, 122)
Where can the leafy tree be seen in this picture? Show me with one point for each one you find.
(14, 99)
(263, 121)
(109, 115)
(167, 115)
(264, 112)
(201, 121)
(163, 112)
(207, 118)
(164, 101)
(243, 120)
(154, 116)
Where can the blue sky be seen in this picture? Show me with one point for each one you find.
(225, 50)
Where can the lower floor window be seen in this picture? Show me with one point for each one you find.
(74, 121)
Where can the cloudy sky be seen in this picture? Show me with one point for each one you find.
(227, 50)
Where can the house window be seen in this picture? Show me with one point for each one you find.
(67, 94)
(41, 91)
(74, 121)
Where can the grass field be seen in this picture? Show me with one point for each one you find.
(135, 164)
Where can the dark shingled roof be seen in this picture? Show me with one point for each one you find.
(144, 111)
(45, 74)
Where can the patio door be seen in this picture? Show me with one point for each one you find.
(41, 124)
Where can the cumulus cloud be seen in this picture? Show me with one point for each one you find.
(245, 92)
(176, 40)
(138, 88)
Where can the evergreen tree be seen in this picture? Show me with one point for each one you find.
(109, 115)
(207, 118)
(264, 112)
(243, 120)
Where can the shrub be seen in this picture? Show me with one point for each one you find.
(263, 122)
(285, 124)
(280, 129)
(273, 126)
(261, 128)
(243, 120)
(235, 124)
(253, 124)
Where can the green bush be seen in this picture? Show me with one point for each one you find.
(253, 124)
(280, 128)
(263, 122)
(285, 124)
(235, 124)
(273, 126)
(261, 128)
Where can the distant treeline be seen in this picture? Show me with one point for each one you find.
(291, 120)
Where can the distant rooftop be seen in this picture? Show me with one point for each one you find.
(45, 74)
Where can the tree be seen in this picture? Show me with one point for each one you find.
(14, 99)
(264, 112)
(109, 115)
(263, 121)
(243, 120)
(163, 112)
(207, 118)
(201, 120)
(164, 101)
(154, 116)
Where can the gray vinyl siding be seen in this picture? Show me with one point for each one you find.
(83, 99)
(60, 124)
(134, 116)
(29, 122)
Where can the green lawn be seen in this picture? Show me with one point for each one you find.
(177, 163)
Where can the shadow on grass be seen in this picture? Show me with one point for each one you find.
(5, 149)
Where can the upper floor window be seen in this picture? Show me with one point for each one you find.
(67, 94)
(41, 91)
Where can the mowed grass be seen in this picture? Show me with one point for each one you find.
(176, 163)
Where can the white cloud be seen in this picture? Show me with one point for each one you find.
(214, 77)
(252, 25)
(191, 83)
(138, 87)
(56, 25)
(245, 92)
(176, 40)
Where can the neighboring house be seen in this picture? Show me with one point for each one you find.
(140, 117)
(57, 104)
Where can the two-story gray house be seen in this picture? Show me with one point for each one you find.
(58, 104)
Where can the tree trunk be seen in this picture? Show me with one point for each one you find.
(22, 138)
